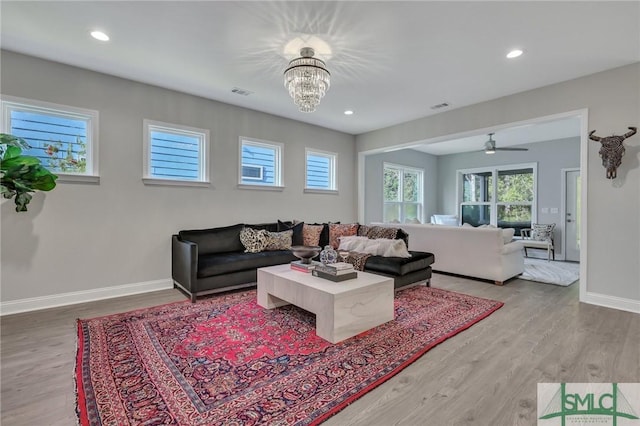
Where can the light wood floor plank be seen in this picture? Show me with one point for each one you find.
(486, 375)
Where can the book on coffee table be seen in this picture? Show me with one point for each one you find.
(333, 271)
(297, 265)
(332, 277)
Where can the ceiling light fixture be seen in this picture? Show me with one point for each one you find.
(514, 53)
(307, 80)
(99, 35)
(348, 112)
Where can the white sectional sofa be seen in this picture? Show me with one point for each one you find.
(473, 252)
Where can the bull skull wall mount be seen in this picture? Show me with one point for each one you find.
(612, 150)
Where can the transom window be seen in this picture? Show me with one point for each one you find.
(64, 138)
(402, 192)
(320, 172)
(260, 163)
(503, 196)
(175, 154)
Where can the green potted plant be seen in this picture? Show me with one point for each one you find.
(21, 174)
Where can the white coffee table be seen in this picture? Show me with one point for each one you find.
(343, 309)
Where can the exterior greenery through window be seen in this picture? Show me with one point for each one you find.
(502, 196)
(320, 170)
(260, 163)
(175, 153)
(402, 192)
(62, 137)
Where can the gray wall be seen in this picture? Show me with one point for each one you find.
(551, 156)
(613, 229)
(83, 237)
(373, 180)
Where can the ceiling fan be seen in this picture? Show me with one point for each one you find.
(490, 146)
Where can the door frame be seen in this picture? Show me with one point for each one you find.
(563, 207)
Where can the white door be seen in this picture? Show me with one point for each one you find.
(572, 216)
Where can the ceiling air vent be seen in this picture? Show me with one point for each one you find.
(239, 91)
(440, 106)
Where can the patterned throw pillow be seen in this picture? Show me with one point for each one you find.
(376, 232)
(279, 240)
(540, 232)
(311, 234)
(253, 240)
(337, 230)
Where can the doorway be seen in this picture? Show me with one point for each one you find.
(571, 204)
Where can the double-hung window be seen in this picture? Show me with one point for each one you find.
(64, 138)
(175, 154)
(503, 196)
(402, 193)
(260, 164)
(320, 171)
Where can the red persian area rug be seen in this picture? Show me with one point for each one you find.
(226, 360)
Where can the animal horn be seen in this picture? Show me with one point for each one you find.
(631, 133)
(594, 138)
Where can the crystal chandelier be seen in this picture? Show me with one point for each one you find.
(307, 80)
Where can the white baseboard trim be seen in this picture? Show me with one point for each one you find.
(64, 299)
(614, 302)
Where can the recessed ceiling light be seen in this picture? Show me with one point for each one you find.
(99, 35)
(514, 53)
(348, 112)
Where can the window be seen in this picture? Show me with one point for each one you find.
(512, 206)
(175, 154)
(320, 172)
(64, 138)
(402, 192)
(260, 164)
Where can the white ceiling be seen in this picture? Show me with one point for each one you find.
(390, 61)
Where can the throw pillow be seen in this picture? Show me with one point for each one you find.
(376, 232)
(297, 238)
(542, 232)
(349, 243)
(397, 248)
(391, 248)
(363, 230)
(311, 234)
(337, 230)
(279, 240)
(507, 235)
(253, 240)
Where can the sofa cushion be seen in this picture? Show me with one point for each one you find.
(297, 228)
(271, 227)
(254, 240)
(399, 265)
(225, 263)
(279, 240)
(337, 230)
(215, 240)
(349, 243)
(311, 234)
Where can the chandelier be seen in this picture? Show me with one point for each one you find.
(307, 80)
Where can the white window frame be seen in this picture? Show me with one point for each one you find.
(10, 103)
(333, 171)
(494, 203)
(203, 160)
(278, 184)
(402, 204)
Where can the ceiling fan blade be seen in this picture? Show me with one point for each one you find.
(512, 149)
